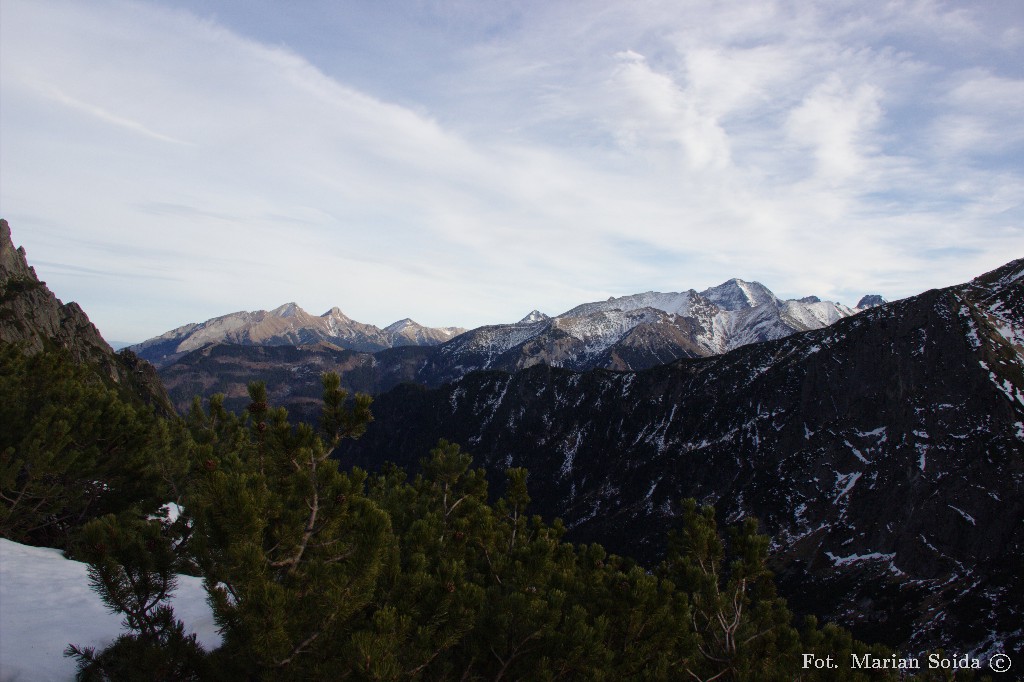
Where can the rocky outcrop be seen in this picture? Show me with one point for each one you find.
(32, 317)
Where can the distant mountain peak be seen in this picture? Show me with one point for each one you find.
(536, 316)
(336, 315)
(870, 301)
(736, 294)
(288, 310)
(401, 325)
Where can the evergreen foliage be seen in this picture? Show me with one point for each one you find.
(132, 566)
(71, 448)
(317, 573)
(291, 548)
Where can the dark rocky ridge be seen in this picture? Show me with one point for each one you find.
(884, 454)
(31, 316)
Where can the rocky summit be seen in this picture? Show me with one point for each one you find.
(884, 454)
(32, 317)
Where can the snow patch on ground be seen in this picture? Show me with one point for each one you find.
(857, 453)
(849, 480)
(46, 604)
(854, 558)
(922, 455)
(967, 517)
(972, 329)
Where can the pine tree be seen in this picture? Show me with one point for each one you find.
(132, 566)
(435, 589)
(71, 449)
(743, 629)
(290, 548)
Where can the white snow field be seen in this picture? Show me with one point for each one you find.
(46, 603)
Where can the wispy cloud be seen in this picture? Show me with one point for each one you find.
(462, 163)
(102, 114)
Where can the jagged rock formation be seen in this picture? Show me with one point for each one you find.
(884, 454)
(289, 325)
(31, 316)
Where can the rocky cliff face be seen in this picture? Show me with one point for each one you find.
(884, 454)
(31, 316)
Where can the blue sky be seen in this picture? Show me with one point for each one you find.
(464, 162)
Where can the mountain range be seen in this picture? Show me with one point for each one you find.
(883, 453)
(290, 348)
(289, 325)
(637, 331)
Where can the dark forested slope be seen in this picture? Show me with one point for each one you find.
(884, 455)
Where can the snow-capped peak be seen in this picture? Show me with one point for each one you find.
(401, 325)
(534, 316)
(737, 294)
(288, 310)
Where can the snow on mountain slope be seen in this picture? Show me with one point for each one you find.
(493, 340)
(600, 329)
(721, 318)
(408, 332)
(999, 298)
(804, 315)
(46, 604)
(534, 316)
(737, 295)
(673, 303)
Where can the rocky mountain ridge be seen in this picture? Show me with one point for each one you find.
(34, 318)
(883, 453)
(633, 332)
(624, 333)
(289, 325)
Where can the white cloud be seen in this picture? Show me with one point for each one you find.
(653, 110)
(984, 116)
(835, 122)
(554, 154)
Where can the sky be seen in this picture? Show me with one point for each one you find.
(462, 162)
